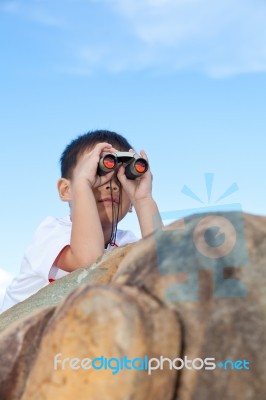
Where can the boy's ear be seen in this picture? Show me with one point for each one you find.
(63, 186)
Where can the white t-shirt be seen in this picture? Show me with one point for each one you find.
(37, 268)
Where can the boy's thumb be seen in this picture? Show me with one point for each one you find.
(121, 171)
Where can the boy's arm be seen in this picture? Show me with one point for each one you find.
(140, 194)
(148, 215)
(87, 238)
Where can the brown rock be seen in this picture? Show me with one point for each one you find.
(18, 348)
(111, 322)
(166, 299)
(217, 324)
(101, 271)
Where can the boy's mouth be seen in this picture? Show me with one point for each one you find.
(109, 200)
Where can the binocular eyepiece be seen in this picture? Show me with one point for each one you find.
(135, 165)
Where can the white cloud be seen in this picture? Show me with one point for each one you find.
(115, 60)
(5, 279)
(218, 37)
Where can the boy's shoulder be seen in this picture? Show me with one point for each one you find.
(52, 226)
(54, 221)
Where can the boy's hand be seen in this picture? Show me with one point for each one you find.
(139, 188)
(87, 167)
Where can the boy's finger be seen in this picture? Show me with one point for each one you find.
(106, 178)
(111, 150)
(120, 170)
(104, 147)
(143, 154)
(121, 173)
(108, 175)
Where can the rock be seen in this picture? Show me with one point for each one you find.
(166, 298)
(52, 294)
(113, 322)
(217, 323)
(18, 348)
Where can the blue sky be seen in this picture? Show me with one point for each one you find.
(183, 79)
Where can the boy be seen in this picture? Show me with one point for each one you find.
(97, 204)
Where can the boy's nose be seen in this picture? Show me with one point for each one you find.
(113, 184)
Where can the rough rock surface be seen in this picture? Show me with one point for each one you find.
(160, 296)
(102, 272)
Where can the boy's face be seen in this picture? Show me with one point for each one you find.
(110, 199)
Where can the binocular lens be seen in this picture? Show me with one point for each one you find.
(135, 166)
(109, 162)
(140, 166)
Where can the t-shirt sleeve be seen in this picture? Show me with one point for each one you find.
(49, 240)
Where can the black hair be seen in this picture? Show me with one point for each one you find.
(78, 146)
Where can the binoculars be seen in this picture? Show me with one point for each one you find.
(135, 165)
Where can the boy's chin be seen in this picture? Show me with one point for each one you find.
(107, 216)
